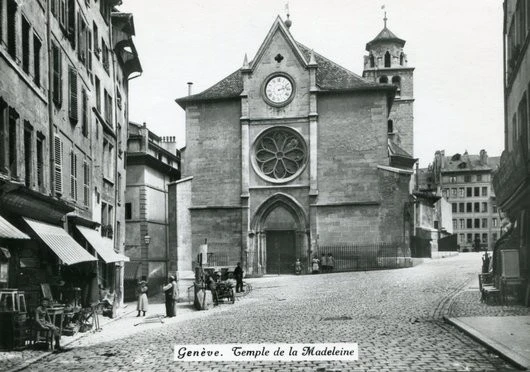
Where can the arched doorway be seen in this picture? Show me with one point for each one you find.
(279, 236)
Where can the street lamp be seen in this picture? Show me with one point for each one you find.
(147, 239)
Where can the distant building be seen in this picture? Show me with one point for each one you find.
(512, 180)
(153, 162)
(465, 182)
(64, 70)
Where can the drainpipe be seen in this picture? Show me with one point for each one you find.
(50, 101)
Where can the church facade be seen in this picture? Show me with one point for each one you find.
(292, 153)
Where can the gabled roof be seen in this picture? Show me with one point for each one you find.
(383, 37)
(466, 163)
(329, 76)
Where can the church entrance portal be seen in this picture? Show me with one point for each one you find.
(281, 251)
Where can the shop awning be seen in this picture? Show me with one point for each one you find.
(101, 245)
(9, 231)
(62, 244)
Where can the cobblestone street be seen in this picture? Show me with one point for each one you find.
(394, 315)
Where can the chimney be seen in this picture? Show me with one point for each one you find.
(190, 84)
(483, 157)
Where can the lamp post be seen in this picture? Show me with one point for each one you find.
(145, 268)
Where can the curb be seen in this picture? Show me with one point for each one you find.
(29, 362)
(500, 349)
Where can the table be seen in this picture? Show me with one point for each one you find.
(53, 312)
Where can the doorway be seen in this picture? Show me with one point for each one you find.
(281, 251)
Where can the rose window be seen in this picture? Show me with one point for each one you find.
(280, 154)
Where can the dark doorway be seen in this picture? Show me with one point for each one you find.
(281, 251)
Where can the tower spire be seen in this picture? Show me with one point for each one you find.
(385, 18)
(288, 22)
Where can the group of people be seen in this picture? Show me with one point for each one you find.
(170, 292)
(323, 265)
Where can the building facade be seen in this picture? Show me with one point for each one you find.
(465, 182)
(65, 67)
(153, 163)
(290, 154)
(512, 180)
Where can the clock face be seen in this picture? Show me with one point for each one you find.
(279, 89)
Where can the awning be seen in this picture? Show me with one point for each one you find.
(103, 246)
(62, 244)
(9, 231)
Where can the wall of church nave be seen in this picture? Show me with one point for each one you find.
(222, 228)
(213, 153)
(352, 141)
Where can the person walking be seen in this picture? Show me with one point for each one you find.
(238, 274)
(171, 294)
(315, 265)
(141, 293)
(331, 262)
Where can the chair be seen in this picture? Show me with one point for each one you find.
(487, 287)
(39, 334)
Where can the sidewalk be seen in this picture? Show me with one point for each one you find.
(505, 329)
(124, 324)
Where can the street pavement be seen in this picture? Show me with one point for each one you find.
(396, 317)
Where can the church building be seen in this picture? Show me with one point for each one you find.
(292, 153)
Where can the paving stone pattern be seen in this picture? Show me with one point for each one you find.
(394, 315)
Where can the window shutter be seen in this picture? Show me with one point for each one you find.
(73, 94)
(57, 75)
(73, 175)
(86, 183)
(58, 153)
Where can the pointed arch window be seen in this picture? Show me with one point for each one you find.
(396, 81)
(401, 59)
(372, 60)
(383, 79)
(390, 125)
(387, 59)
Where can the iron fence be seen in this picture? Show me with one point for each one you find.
(359, 257)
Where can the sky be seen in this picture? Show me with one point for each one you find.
(454, 45)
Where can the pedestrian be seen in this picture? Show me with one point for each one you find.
(485, 263)
(331, 262)
(43, 320)
(315, 265)
(141, 293)
(238, 274)
(171, 294)
(323, 264)
(297, 267)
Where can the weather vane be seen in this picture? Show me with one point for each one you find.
(383, 7)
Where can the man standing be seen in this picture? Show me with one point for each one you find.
(238, 273)
(171, 293)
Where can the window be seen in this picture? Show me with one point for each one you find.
(40, 160)
(476, 207)
(62, 14)
(461, 192)
(72, 100)
(477, 223)
(3, 132)
(452, 179)
(484, 238)
(86, 184)
(484, 223)
(13, 135)
(98, 95)
(396, 81)
(383, 79)
(469, 238)
(28, 154)
(118, 187)
(25, 44)
(84, 112)
(104, 9)
(58, 165)
(455, 225)
(469, 223)
(522, 115)
(390, 125)
(12, 28)
(494, 222)
(37, 45)
(401, 59)
(467, 178)
(485, 191)
(57, 75)
(71, 22)
(108, 160)
(105, 56)
(453, 193)
(469, 207)
(73, 175)
(118, 100)
(454, 205)
(108, 108)
(461, 207)
(462, 223)
(479, 177)
(387, 59)
(469, 192)
(372, 60)
(476, 191)
(484, 207)
(462, 238)
(82, 37)
(128, 211)
(494, 208)
(95, 37)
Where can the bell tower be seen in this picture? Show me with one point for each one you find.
(386, 63)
